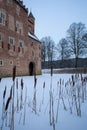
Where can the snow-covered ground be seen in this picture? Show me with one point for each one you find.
(57, 102)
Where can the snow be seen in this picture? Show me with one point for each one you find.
(31, 111)
(33, 36)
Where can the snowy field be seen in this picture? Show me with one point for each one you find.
(57, 102)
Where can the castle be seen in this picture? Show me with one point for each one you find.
(18, 43)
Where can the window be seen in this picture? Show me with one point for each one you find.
(11, 43)
(11, 23)
(20, 48)
(11, 62)
(10, 1)
(19, 27)
(2, 18)
(1, 62)
(1, 41)
(20, 44)
(18, 10)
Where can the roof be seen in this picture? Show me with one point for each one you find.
(33, 36)
(22, 5)
(31, 15)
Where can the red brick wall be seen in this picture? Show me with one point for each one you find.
(28, 52)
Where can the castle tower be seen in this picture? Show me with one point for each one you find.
(31, 23)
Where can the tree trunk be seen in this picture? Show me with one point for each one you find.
(76, 62)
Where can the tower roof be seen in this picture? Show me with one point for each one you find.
(31, 15)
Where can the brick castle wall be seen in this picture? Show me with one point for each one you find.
(25, 50)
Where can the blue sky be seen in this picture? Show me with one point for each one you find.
(53, 17)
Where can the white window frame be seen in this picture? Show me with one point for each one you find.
(18, 10)
(19, 27)
(11, 39)
(2, 18)
(21, 44)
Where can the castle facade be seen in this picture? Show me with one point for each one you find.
(19, 45)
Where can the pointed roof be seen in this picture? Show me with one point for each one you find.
(31, 15)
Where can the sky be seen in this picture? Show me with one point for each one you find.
(53, 17)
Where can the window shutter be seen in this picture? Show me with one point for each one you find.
(14, 47)
(8, 46)
(2, 44)
(18, 49)
(16, 29)
(6, 23)
(20, 31)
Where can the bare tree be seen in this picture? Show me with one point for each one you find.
(62, 48)
(84, 38)
(43, 50)
(48, 49)
(75, 40)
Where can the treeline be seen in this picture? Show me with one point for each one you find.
(69, 63)
(74, 45)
